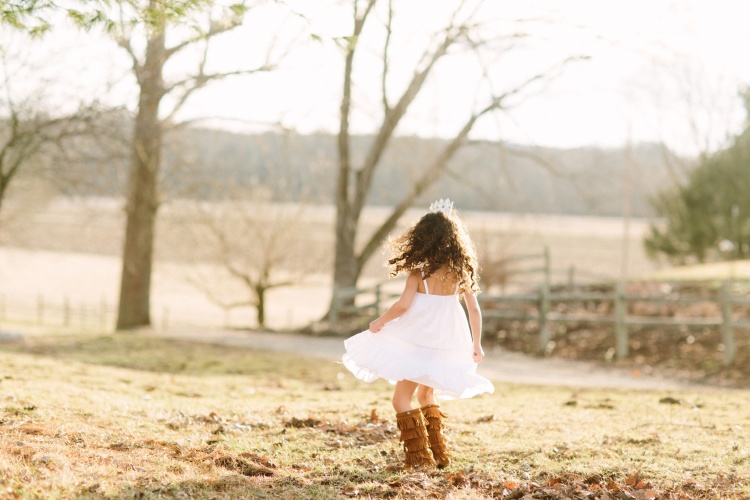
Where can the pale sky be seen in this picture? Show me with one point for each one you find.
(660, 70)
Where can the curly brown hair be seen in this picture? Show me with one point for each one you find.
(435, 241)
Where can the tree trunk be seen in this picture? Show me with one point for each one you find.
(142, 203)
(260, 308)
(346, 264)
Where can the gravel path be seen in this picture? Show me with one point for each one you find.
(498, 365)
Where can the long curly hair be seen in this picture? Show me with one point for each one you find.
(435, 241)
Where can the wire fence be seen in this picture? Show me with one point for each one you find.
(61, 311)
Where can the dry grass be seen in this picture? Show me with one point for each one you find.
(128, 416)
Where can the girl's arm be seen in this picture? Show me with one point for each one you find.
(475, 322)
(401, 305)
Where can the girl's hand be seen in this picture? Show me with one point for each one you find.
(375, 326)
(478, 354)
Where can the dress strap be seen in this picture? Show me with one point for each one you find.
(426, 289)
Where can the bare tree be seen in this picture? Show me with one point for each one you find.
(463, 32)
(247, 245)
(33, 127)
(147, 23)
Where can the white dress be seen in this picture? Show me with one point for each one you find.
(429, 344)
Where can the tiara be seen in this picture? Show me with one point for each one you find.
(442, 205)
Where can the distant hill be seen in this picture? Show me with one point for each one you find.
(202, 163)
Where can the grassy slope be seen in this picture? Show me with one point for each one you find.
(127, 415)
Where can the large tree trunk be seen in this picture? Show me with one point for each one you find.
(260, 292)
(346, 265)
(143, 202)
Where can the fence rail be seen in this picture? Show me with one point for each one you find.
(42, 310)
(537, 306)
(618, 301)
(345, 302)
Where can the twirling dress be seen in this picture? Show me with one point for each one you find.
(429, 344)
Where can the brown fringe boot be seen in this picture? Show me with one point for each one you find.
(438, 441)
(414, 435)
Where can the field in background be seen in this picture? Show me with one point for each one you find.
(68, 250)
(132, 416)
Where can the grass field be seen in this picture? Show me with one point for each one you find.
(131, 416)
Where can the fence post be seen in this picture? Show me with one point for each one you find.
(102, 314)
(571, 277)
(165, 319)
(66, 311)
(40, 309)
(377, 299)
(547, 267)
(727, 335)
(544, 335)
(621, 328)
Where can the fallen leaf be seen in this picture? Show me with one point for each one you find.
(374, 417)
(670, 401)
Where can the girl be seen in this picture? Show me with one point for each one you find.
(423, 342)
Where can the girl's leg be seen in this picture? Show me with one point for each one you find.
(402, 395)
(412, 425)
(425, 395)
(434, 422)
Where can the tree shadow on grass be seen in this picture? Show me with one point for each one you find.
(141, 352)
(231, 486)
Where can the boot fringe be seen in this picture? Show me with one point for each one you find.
(440, 450)
(415, 433)
(413, 445)
(438, 441)
(418, 458)
(413, 427)
(409, 420)
(433, 411)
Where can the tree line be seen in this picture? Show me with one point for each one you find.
(200, 163)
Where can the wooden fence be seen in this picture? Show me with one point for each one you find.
(353, 302)
(618, 301)
(538, 306)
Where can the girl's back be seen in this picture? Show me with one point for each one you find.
(441, 282)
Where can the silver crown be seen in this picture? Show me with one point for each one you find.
(442, 205)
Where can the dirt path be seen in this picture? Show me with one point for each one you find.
(498, 365)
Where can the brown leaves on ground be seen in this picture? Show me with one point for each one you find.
(222, 424)
(694, 354)
(596, 488)
(247, 464)
(373, 430)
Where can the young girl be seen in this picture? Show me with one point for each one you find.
(423, 342)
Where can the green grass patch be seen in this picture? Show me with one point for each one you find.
(129, 415)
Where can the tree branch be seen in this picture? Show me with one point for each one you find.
(343, 201)
(215, 28)
(394, 116)
(201, 80)
(440, 164)
(386, 46)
